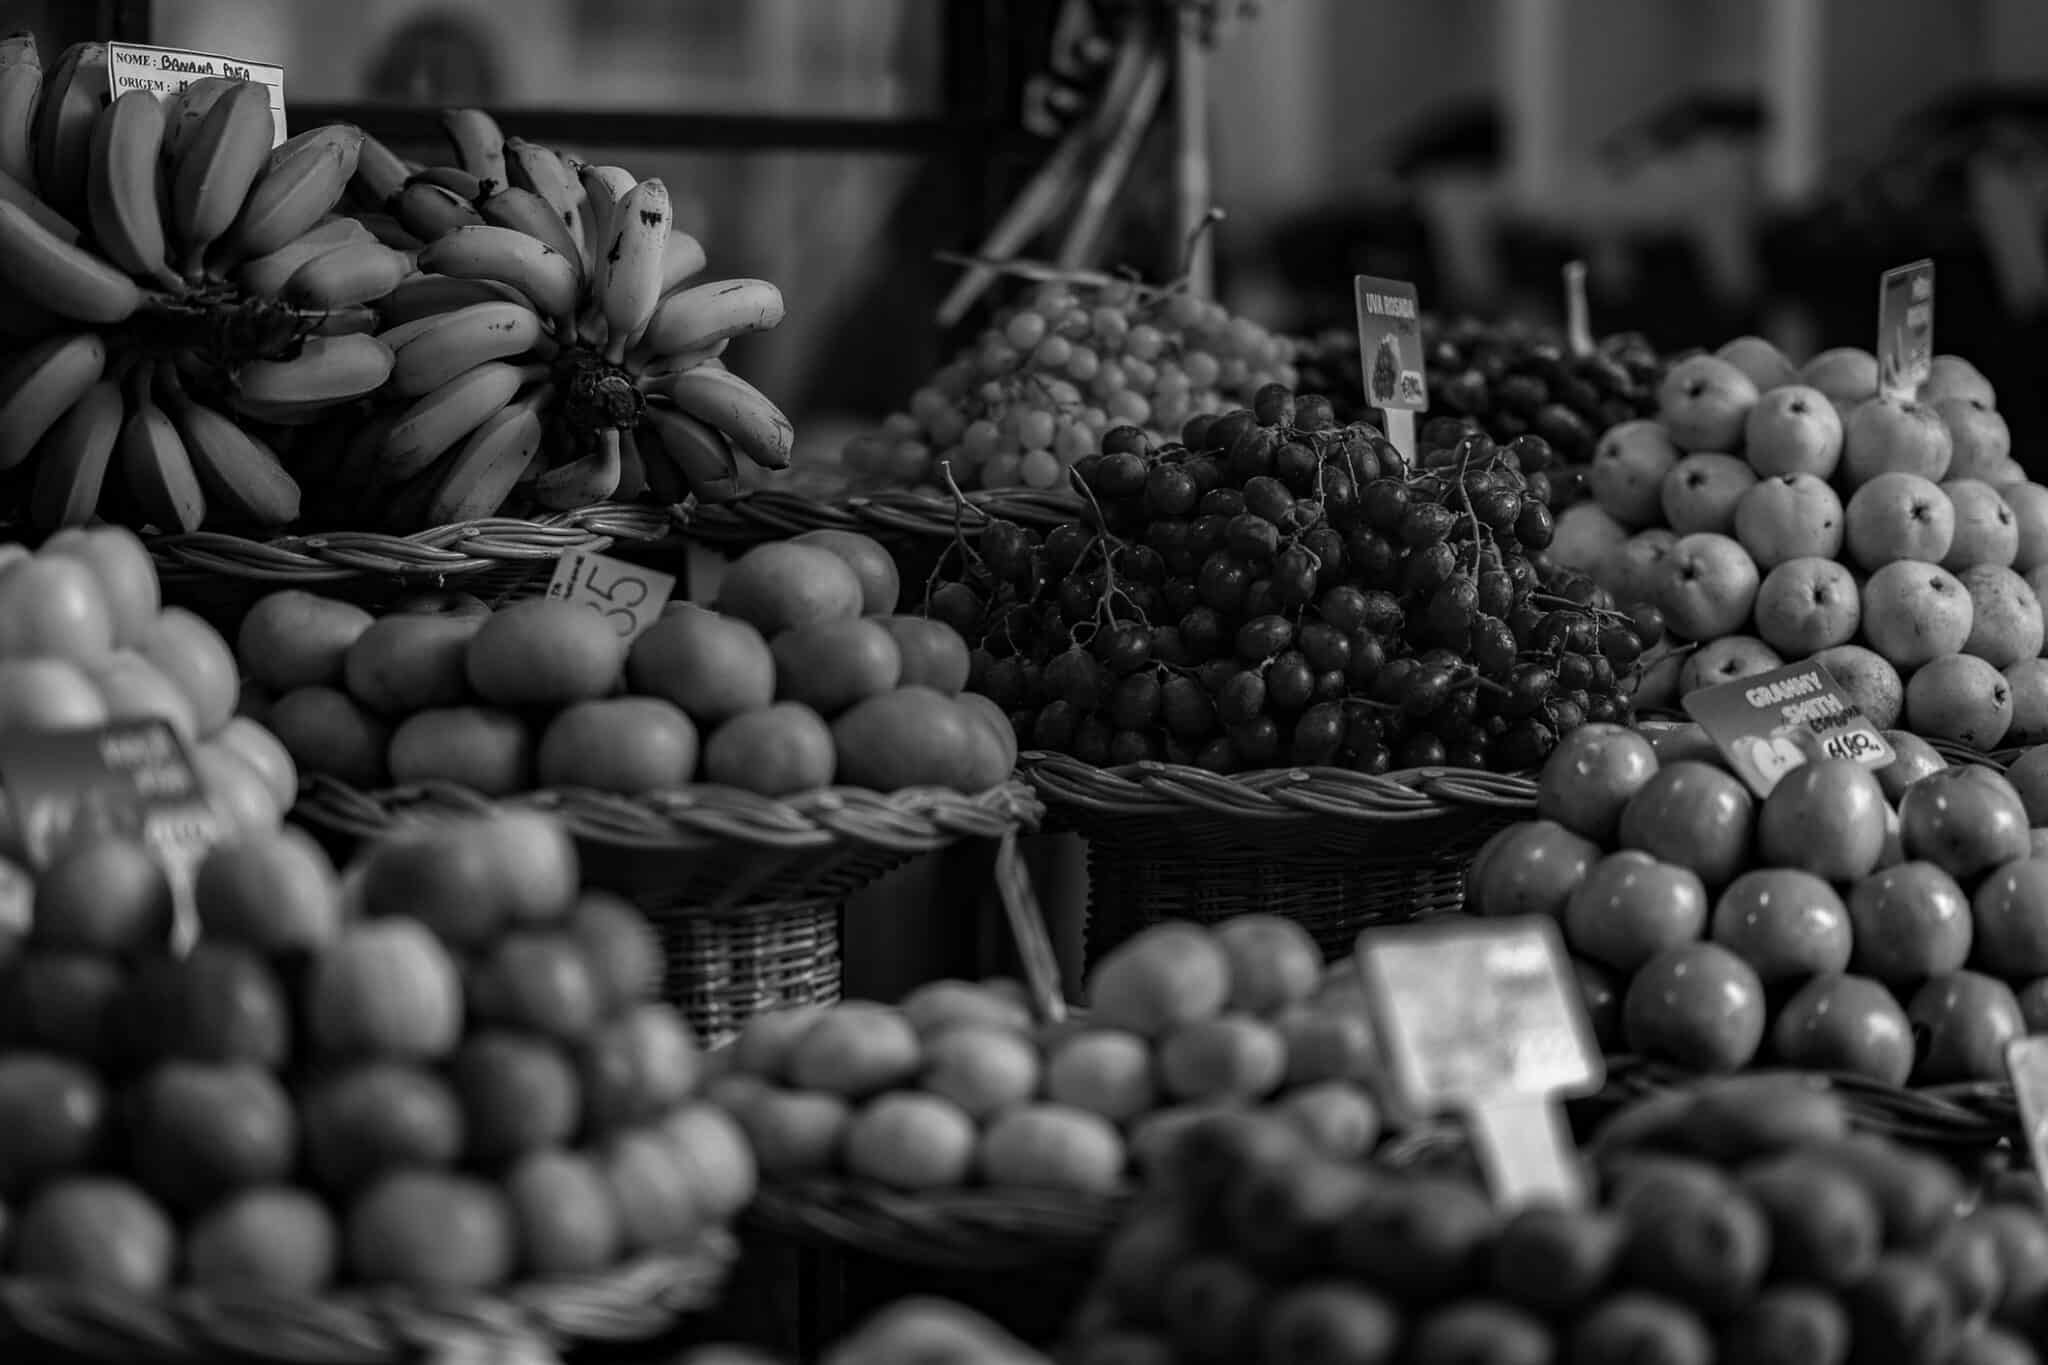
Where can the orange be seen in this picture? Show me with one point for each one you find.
(830, 665)
(909, 1141)
(639, 1066)
(96, 1232)
(856, 1048)
(479, 747)
(298, 639)
(1169, 974)
(386, 987)
(652, 1190)
(545, 651)
(880, 582)
(408, 663)
(466, 879)
(365, 1119)
(274, 1239)
(933, 653)
(1229, 1057)
(541, 981)
(200, 1131)
(983, 1070)
(777, 750)
(621, 947)
(53, 1116)
(1104, 1071)
(326, 732)
(103, 894)
(944, 1003)
(431, 1230)
(712, 666)
(275, 891)
(519, 1094)
(911, 737)
(191, 654)
(716, 1160)
(783, 584)
(764, 1043)
(568, 1222)
(1273, 962)
(627, 745)
(1051, 1146)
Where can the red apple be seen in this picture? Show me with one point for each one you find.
(1591, 775)
(1965, 1019)
(1785, 923)
(1632, 907)
(1694, 815)
(1529, 868)
(1826, 817)
(1912, 759)
(1849, 1024)
(1600, 992)
(2010, 913)
(1909, 922)
(1697, 1005)
(1965, 820)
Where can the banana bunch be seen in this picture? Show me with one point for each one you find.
(167, 278)
(551, 343)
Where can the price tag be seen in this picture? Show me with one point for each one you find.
(131, 779)
(1578, 314)
(1027, 926)
(1481, 1018)
(1390, 352)
(1771, 723)
(167, 70)
(2026, 1066)
(628, 596)
(1905, 328)
(17, 900)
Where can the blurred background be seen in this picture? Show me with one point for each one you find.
(1721, 165)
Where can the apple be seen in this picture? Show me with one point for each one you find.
(464, 606)
(1847, 1024)
(2028, 775)
(1584, 536)
(1789, 516)
(1600, 993)
(1951, 376)
(2029, 504)
(1632, 907)
(1964, 1021)
(1726, 660)
(1793, 430)
(1826, 817)
(1909, 922)
(1785, 923)
(365, 1119)
(1868, 680)
(1963, 821)
(2005, 615)
(1627, 473)
(202, 1132)
(1697, 1005)
(218, 1003)
(1898, 516)
(2010, 914)
(1760, 359)
(1704, 403)
(1914, 612)
(1959, 698)
(1846, 374)
(1693, 815)
(1683, 741)
(1590, 776)
(53, 1115)
(1912, 759)
(1530, 868)
(1709, 587)
(1987, 532)
(1894, 436)
(1631, 570)
(1701, 491)
(1980, 437)
(1807, 605)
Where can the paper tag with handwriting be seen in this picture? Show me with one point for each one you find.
(1390, 353)
(1905, 328)
(165, 71)
(1770, 723)
(627, 595)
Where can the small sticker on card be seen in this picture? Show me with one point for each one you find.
(627, 595)
(164, 71)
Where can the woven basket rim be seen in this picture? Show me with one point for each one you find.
(774, 513)
(1164, 790)
(967, 1226)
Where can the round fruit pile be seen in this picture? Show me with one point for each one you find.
(85, 639)
(449, 1076)
(1890, 924)
(1773, 1236)
(957, 1085)
(1038, 388)
(910, 1329)
(799, 678)
(1775, 514)
(1279, 590)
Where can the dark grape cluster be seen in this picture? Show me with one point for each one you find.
(1281, 590)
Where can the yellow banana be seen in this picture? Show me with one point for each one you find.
(41, 384)
(632, 485)
(13, 192)
(74, 92)
(524, 211)
(462, 340)
(706, 314)
(713, 394)
(484, 471)
(540, 170)
(632, 275)
(390, 232)
(701, 453)
(380, 174)
(156, 467)
(212, 175)
(587, 479)
(305, 179)
(434, 423)
(63, 278)
(186, 110)
(326, 370)
(664, 481)
(396, 335)
(453, 179)
(653, 368)
(72, 460)
(427, 211)
(682, 261)
(267, 275)
(603, 188)
(21, 86)
(341, 322)
(358, 272)
(479, 145)
(245, 483)
(531, 266)
(430, 295)
(120, 188)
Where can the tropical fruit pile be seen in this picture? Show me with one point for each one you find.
(1889, 924)
(1277, 590)
(1757, 1231)
(799, 678)
(957, 1086)
(1041, 385)
(1775, 514)
(449, 1076)
(912, 1329)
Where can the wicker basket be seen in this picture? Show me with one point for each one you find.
(744, 890)
(634, 1303)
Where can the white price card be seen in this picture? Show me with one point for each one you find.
(1482, 1018)
(165, 71)
(2026, 1065)
(1390, 350)
(1905, 328)
(627, 595)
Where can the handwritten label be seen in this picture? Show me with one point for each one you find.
(1773, 722)
(627, 595)
(165, 71)
(1905, 328)
(1390, 353)
(1482, 1018)
(2026, 1066)
(1027, 926)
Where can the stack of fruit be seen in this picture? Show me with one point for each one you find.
(447, 1077)
(1775, 514)
(1040, 386)
(801, 677)
(1280, 590)
(1763, 1234)
(152, 267)
(957, 1086)
(1891, 924)
(85, 640)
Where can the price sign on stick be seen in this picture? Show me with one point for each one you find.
(1028, 928)
(1482, 1018)
(1771, 723)
(2026, 1065)
(1905, 328)
(628, 596)
(1390, 352)
(165, 71)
